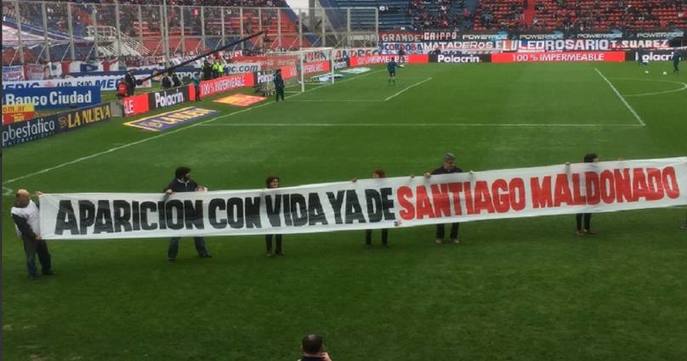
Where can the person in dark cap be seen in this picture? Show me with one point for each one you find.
(182, 182)
(313, 349)
(586, 218)
(448, 166)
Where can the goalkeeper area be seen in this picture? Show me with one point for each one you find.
(516, 289)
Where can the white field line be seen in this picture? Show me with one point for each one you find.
(622, 99)
(131, 144)
(676, 90)
(419, 125)
(407, 88)
(338, 101)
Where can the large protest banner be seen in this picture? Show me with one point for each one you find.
(371, 203)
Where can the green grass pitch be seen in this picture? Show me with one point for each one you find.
(524, 289)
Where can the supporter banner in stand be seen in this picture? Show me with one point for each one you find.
(106, 83)
(43, 127)
(36, 71)
(609, 56)
(371, 203)
(345, 53)
(423, 43)
(12, 73)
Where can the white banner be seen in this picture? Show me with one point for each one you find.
(12, 73)
(371, 203)
(105, 82)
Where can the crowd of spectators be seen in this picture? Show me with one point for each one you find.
(500, 15)
(547, 15)
(439, 14)
(573, 16)
(598, 15)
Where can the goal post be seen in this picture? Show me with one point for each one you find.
(305, 67)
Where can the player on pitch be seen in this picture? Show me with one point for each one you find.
(391, 67)
(676, 61)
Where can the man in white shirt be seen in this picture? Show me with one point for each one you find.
(26, 218)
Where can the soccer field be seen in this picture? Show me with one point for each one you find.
(521, 289)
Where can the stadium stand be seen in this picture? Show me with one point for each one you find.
(580, 15)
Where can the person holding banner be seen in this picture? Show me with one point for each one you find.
(448, 166)
(586, 217)
(273, 182)
(377, 174)
(182, 182)
(26, 219)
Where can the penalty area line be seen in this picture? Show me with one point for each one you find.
(622, 99)
(407, 88)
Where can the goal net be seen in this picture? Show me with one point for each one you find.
(300, 69)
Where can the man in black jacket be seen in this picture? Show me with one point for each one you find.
(448, 166)
(585, 219)
(207, 70)
(26, 218)
(130, 81)
(166, 81)
(182, 182)
(176, 82)
(279, 85)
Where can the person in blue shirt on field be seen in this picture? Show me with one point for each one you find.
(391, 67)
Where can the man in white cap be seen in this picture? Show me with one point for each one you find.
(448, 166)
(26, 218)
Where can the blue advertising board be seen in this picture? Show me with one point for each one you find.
(53, 98)
(43, 127)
